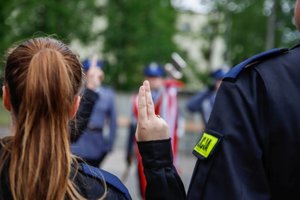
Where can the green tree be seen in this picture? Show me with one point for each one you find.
(65, 19)
(5, 29)
(251, 26)
(138, 32)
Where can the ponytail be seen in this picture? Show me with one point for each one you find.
(43, 78)
(40, 166)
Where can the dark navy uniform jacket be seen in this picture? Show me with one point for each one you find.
(251, 148)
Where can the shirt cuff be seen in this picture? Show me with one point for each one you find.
(156, 154)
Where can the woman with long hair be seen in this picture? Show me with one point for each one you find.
(41, 88)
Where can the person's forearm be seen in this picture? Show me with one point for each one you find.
(83, 114)
(163, 181)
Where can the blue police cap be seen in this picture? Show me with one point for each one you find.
(87, 63)
(154, 70)
(218, 74)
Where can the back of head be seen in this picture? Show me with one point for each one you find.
(43, 78)
(38, 67)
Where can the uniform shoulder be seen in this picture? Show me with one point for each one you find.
(109, 178)
(261, 57)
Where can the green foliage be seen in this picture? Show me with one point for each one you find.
(246, 32)
(22, 19)
(244, 25)
(138, 32)
(5, 29)
(5, 119)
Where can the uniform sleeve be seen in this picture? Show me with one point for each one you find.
(162, 178)
(235, 168)
(112, 121)
(194, 104)
(83, 114)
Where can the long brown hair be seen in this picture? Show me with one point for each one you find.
(43, 78)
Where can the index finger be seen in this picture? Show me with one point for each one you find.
(94, 61)
(142, 108)
(149, 100)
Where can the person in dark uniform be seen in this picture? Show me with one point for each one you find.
(41, 90)
(99, 136)
(203, 101)
(251, 146)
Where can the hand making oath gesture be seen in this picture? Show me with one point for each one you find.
(150, 126)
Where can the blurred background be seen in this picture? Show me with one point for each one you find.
(128, 34)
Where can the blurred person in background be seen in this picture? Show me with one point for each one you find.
(98, 138)
(41, 90)
(164, 94)
(203, 101)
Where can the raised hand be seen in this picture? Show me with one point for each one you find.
(93, 75)
(150, 126)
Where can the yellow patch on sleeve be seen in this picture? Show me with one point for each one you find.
(206, 144)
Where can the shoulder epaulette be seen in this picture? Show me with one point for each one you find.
(234, 72)
(108, 177)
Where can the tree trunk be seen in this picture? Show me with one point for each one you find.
(271, 26)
